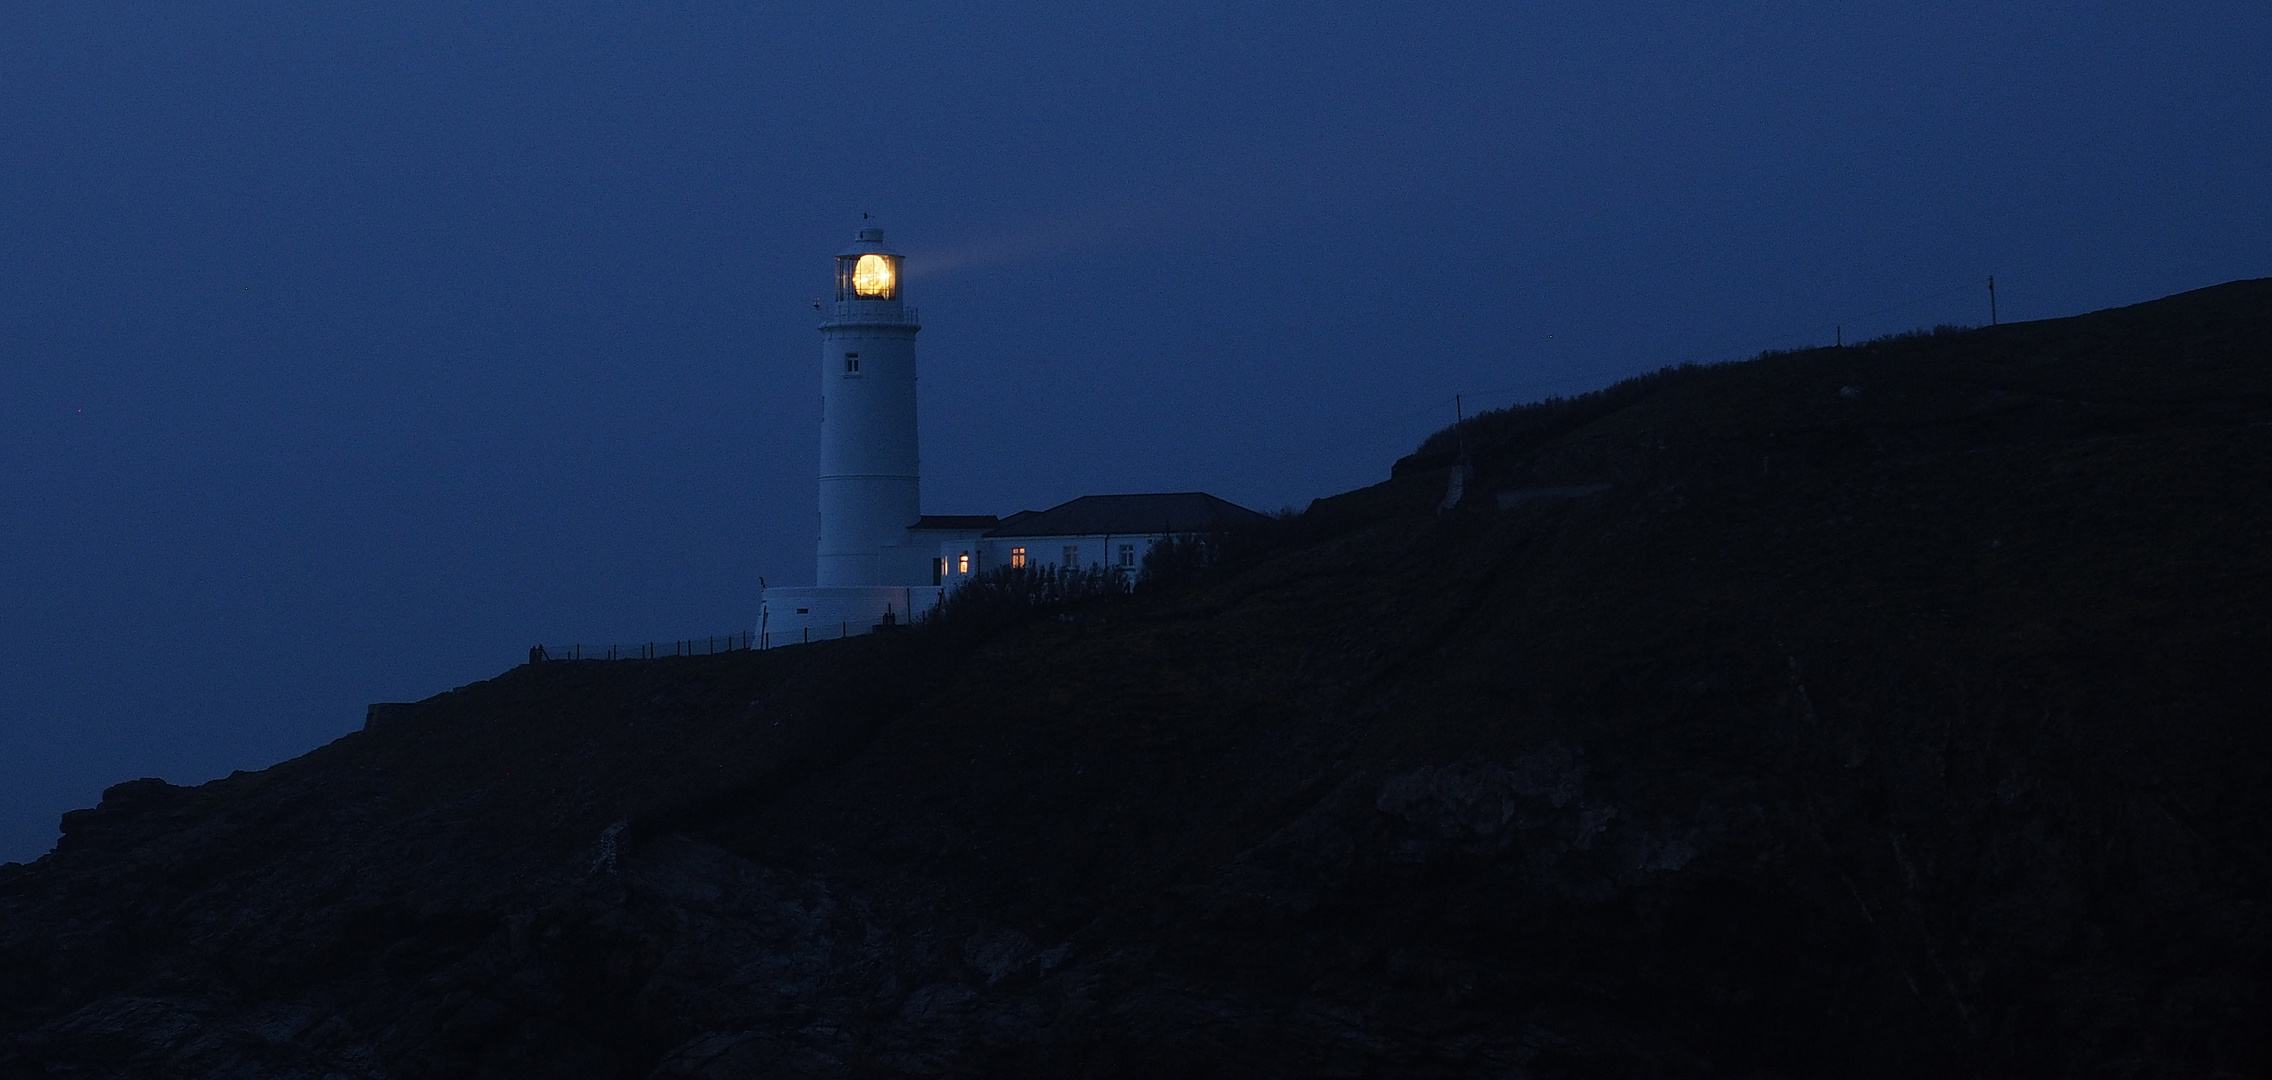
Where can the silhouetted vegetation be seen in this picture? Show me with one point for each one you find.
(1180, 558)
(1920, 334)
(1519, 428)
(1009, 595)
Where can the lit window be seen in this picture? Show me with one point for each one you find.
(1017, 556)
(962, 565)
(851, 363)
(1128, 556)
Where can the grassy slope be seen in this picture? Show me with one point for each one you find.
(1918, 728)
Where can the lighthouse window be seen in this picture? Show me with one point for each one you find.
(851, 363)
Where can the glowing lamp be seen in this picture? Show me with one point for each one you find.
(873, 276)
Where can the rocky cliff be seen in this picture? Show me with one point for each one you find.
(1887, 711)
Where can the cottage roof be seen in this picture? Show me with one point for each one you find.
(1124, 515)
(956, 522)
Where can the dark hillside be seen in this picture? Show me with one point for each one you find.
(1890, 711)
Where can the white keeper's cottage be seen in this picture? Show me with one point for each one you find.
(880, 559)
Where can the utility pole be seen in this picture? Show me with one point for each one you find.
(1991, 299)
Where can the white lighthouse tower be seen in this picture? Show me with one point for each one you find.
(870, 486)
(871, 569)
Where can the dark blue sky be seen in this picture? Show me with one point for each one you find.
(346, 350)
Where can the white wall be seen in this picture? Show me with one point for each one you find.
(951, 545)
(1102, 549)
(870, 484)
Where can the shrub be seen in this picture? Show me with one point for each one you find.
(1178, 558)
(1919, 334)
(1008, 595)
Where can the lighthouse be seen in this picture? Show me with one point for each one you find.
(870, 469)
(877, 561)
(880, 562)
